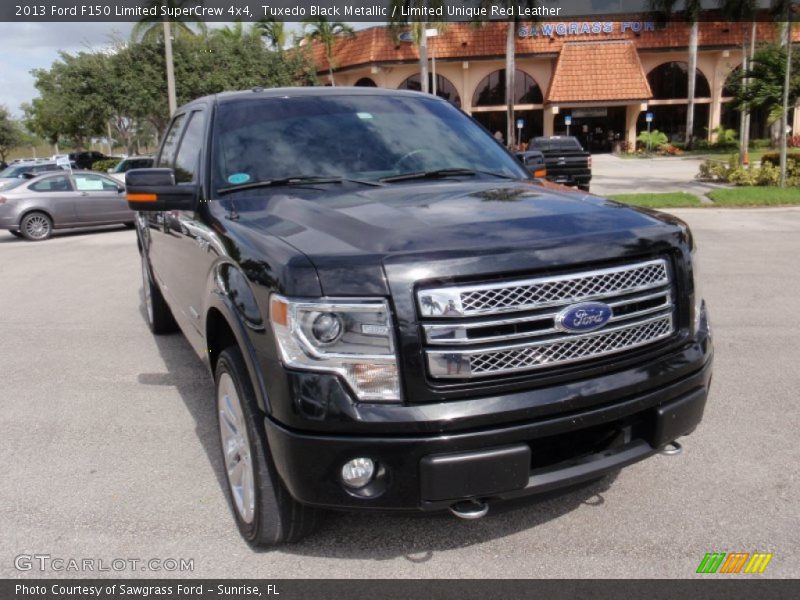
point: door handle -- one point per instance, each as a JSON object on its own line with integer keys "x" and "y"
{"x": 84, "y": 193}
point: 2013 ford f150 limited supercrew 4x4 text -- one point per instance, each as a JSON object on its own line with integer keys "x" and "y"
{"x": 398, "y": 317}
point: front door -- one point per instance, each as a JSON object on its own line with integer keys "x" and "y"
{"x": 100, "y": 200}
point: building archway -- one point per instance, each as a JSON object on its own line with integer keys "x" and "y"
{"x": 365, "y": 82}
{"x": 669, "y": 83}
{"x": 491, "y": 91}
{"x": 444, "y": 87}
{"x": 489, "y": 103}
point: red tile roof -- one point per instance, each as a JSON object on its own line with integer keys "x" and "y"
{"x": 592, "y": 72}
{"x": 464, "y": 41}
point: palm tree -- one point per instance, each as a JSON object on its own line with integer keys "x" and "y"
{"x": 418, "y": 30}
{"x": 273, "y": 31}
{"x": 743, "y": 10}
{"x": 150, "y": 29}
{"x": 692, "y": 11}
{"x": 326, "y": 32}
{"x": 786, "y": 8}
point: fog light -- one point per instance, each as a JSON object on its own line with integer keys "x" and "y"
{"x": 358, "y": 472}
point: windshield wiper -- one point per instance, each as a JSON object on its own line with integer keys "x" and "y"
{"x": 294, "y": 180}
{"x": 440, "y": 173}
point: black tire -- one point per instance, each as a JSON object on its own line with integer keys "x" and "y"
{"x": 157, "y": 312}
{"x": 15, "y": 233}
{"x": 36, "y": 226}
{"x": 584, "y": 188}
{"x": 276, "y": 517}
{"x": 130, "y": 225}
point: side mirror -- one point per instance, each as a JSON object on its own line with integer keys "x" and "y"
{"x": 120, "y": 189}
{"x": 156, "y": 190}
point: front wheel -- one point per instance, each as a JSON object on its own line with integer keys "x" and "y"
{"x": 36, "y": 226}
{"x": 265, "y": 512}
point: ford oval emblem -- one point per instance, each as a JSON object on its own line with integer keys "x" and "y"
{"x": 580, "y": 318}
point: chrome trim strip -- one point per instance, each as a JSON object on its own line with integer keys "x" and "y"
{"x": 447, "y": 302}
{"x": 441, "y": 363}
{"x": 460, "y": 329}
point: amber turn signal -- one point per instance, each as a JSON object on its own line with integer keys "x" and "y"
{"x": 142, "y": 198}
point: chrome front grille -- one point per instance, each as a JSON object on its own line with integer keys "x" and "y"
{"x": 541, "y": 292}
{"x": 639, "y": 295}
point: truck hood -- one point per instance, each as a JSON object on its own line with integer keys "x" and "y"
{"x": 352, "y": 234}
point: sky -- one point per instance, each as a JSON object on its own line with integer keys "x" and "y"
{"x": 28, "y": 46}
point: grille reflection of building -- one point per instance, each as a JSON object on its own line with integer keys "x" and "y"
{"x": 604, "y": 75}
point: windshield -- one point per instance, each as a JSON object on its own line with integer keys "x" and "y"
{"x": 363, "y": 137}
{"x": 14, "y": 171}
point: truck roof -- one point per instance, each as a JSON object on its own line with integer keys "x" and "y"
{"x": 289, "y": 92}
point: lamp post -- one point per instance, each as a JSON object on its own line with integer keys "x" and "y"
{"x": 429, "y": 33}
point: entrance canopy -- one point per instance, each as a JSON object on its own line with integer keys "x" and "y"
{"x": 598, "y": 72}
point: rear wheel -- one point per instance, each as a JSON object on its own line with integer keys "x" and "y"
{"x": 159, "y": 315}
{"x": 36, "y": 226}
{"x": 265, "y": 512}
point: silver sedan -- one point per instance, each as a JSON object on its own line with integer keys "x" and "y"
{"x": 32, "y": 208}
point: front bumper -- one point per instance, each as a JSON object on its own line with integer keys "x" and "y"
{"x": 432, "y": 472}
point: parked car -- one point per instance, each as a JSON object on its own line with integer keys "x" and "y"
{"x": 534, "y": 162}
{"x": 398, "y": 316}
{"x": 128, "y": 163}
{"x": 86, "y": 159}
{"x": 566, "y": 160}
{"x": 33, "y": 208}
{"x": 25, "y": 170}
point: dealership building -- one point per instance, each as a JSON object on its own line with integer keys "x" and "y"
{"x": 601, "y": 77}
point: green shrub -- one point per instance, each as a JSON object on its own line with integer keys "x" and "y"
{"x": 717, "y": 170}
{"x": 760, "y": 144}
{"x": 653, "y": 139}
{"x": 775, "y": 157}
{"x": 105, "y": 164}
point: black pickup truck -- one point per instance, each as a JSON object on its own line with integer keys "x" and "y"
{"x": 397, "y": 316}
{"x": 566, "y": 161}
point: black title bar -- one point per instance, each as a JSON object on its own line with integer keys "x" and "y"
{"x": 342, "y": 10}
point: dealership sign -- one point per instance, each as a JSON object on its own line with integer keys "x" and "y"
{"x": 584, "y": 28}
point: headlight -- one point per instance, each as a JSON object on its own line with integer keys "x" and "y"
{"x": 352, "y": 338}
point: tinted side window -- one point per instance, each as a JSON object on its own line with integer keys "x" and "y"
{"x": 52, "y": 184}
{"x": 188, "y": 157}
{"x": 167, "y": 157}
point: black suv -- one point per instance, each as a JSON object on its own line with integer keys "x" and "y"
{"x": 398, "y": 316}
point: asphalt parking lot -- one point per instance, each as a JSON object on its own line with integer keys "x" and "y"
{"x": 108, "y": 446}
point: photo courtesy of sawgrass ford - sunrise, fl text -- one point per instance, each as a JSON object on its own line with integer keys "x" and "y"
{"x": 358, "y": 299}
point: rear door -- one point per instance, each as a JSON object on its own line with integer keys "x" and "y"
{"x": 100, "y": 200}
{"x": 56, "y": 196}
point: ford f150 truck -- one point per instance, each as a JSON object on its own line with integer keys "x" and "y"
{"x": 398, "y": 316}
{"x": 566, "y": 161}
